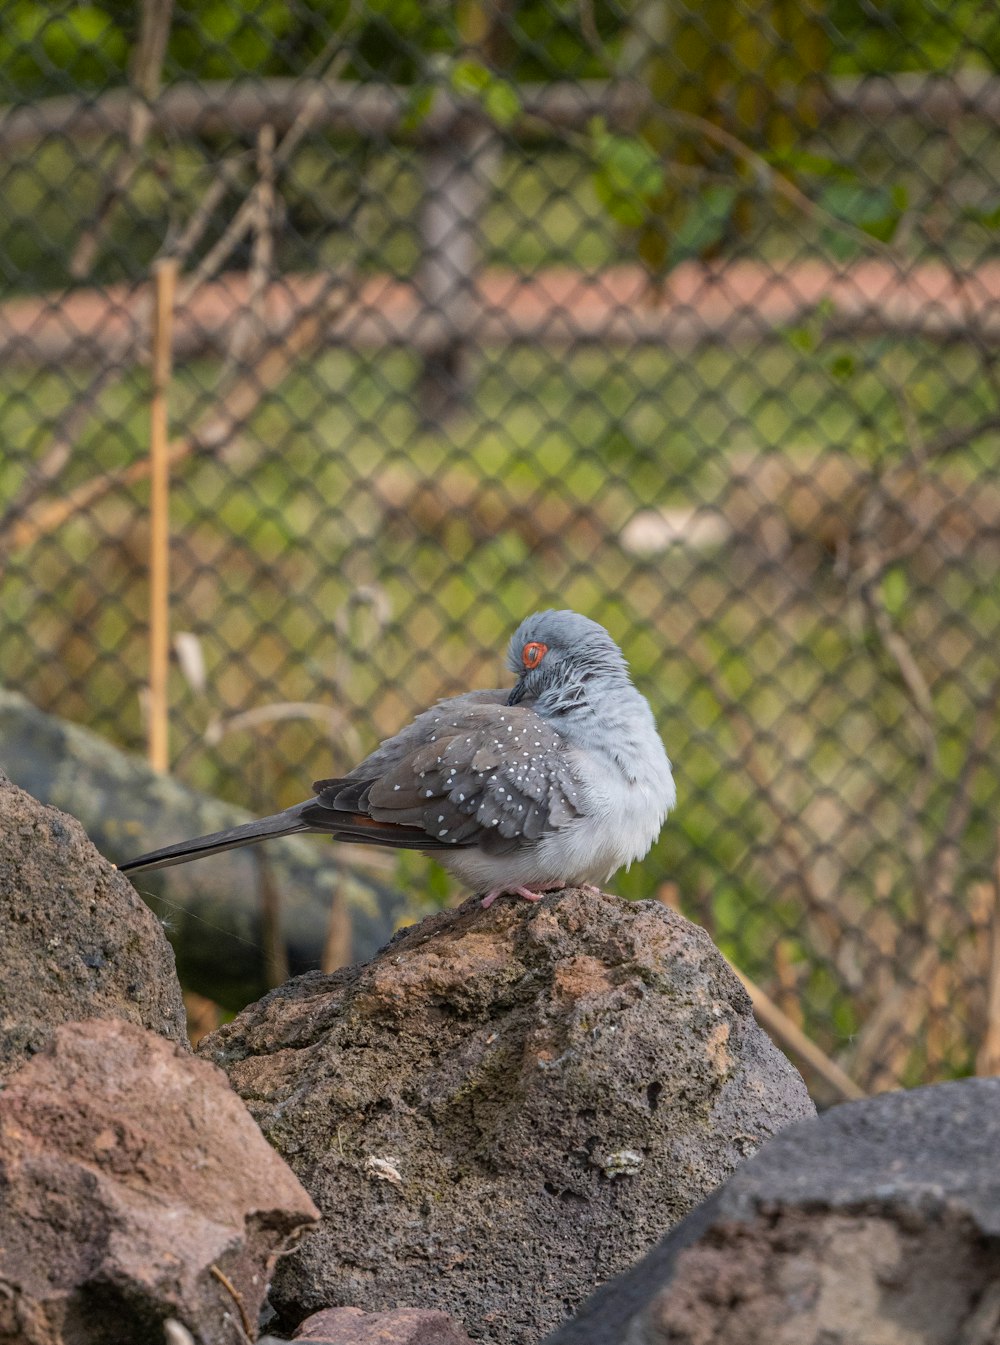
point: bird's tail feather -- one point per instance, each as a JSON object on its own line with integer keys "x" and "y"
{"x": 280, "y": 824}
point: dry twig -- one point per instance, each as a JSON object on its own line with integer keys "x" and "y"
{"x": 245, "y": 217}
{"x": 134, "y": 345}
{"x": 240, "y": 395}
{"x": 788, "y": 838}
{"x": 887, "y": 1037}
{"x": 16, "y": 522}
{"x": 234, "y": 1294}
{"x": 791, "y": 1036}
{"x": 250, "y": 332}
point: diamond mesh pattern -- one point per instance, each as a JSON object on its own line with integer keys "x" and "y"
{"x": 433, "y": 371}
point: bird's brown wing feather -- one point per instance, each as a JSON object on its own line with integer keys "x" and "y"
{"x": 485, "y": 775}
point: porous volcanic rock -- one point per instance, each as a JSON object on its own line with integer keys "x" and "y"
{"x": 133, "y": 1186}
{"x": 77, "y": 941}
{"x": 877, "y": 1223}
{"x": 506, "y": 1107}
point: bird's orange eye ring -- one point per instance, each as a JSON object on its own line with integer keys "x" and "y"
{"x": 533, "y": 653}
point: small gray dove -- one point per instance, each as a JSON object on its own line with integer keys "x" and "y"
{"x": 555, "y": 783}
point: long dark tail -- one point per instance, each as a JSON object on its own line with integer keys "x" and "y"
{"x": 280, "y": 824}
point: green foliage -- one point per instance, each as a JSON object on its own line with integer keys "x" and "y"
{"x": 895, "y": 590}
{"x": 45, "y": 47}
{"x": 893, "y": 35}
{"x": 498, "y": 97}
{"x": 627, "y": 174}
{"x": 729, "y": 67}
{"x": 875, "y": 211}
{"x": 988, "y": 214}
{"x": 705, "y": 222}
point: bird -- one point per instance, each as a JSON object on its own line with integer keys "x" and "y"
{"x": 558, "y": 781}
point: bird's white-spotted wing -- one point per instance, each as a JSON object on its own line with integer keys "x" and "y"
{"x": 470, "y": 772}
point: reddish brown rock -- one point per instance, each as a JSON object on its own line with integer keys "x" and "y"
{"x": 134, "y": 1187}
{"x": 405, "y": 1326}
{"x": 77, "y": 941}
{"x": 506, "y": 1107}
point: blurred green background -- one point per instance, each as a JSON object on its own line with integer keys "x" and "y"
{"x": 686, "y": 316}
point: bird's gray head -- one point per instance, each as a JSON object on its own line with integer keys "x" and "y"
{"x": 558, "y": 657}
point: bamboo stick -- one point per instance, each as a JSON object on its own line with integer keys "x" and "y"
{"x": 791, "y": 1036}
{"x": 988, "y": 1055}
{"x": 165, "y": 284}
{"x": 239, "y": 395}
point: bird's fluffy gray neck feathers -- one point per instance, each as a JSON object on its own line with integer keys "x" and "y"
{"x": 579, "y": 689}
{"x": 601, "y": 712}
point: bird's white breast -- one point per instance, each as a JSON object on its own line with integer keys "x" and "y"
{"x": 626, "y": 791}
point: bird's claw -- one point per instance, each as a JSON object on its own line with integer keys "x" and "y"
{"x": 524, "y": 892}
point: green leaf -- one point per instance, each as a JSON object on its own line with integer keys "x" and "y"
{"x": 419, "y": 102}
{"x": 895, "y": 590}
{"x": 704, "y": 223}
{"x": 439, "y": 886}
{"x": 987, "y": 215}
{"x": 801, "y": 338}
{"x": 498, "y": 97}
{"x": 71, "y": 34}
{"x": 470, "y": 78}
{"x": 627, "y": 175}
{"x": 874, "y": 210}
{"x": 843, "y": 367}
{"x": 502, "y": 103}
{"x": 801, "y": 161}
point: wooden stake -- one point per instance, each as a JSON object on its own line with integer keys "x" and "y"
{"x": 337, "y": 945}
{"x": 165, "y": 283}
{"x": 988, "y": 1056}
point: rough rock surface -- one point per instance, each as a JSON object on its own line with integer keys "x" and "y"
{"x": 405, "y": 1326}
{"x": 214, "y": 906}
{"x": 131, "y": 1178}
{"x": 877, "y": 1223}
{"x": 506, "y": 1107}
{"x": 77, "y": 941}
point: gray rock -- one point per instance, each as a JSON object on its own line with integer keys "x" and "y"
{"x": 505, "y": 1107}
{"x": 213, "y": 907}
{"x": 877, "y": 1223}
{"x": 77, "y": 942}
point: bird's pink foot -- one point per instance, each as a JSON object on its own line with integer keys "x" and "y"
{"x": 524, "y": 892}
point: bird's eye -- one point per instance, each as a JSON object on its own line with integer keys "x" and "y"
{"x": 533, "y": 653}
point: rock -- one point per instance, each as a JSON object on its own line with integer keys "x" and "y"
{"x": 134, "y": 1187}
{"x": 505, "y": 1107}
{"x": 77, "y": 941}
{"x": 213, "y": 906}
{"x": 877, "y": 1223}
{"x": 405, "y": 1326}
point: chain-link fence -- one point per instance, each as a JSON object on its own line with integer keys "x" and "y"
{"x": 683, "y": 315}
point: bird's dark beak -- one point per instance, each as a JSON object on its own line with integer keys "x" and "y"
{"x": 517, "y": 691}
